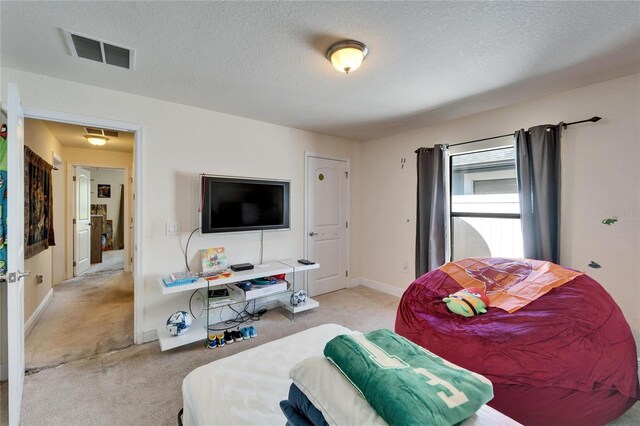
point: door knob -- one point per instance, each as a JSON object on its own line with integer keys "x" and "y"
{"x": 17, "y": 276}
{"x": 313, "y": 234}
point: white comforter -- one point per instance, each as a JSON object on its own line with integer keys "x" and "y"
{"x": 246, "y": 388}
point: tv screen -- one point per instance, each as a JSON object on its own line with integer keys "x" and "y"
{"x": 236, "y": 204}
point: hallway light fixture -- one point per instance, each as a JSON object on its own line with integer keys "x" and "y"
{"x": 96, "y": 140}
{"x": 347, "y": 55}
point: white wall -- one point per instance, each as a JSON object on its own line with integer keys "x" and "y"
{"x": 178, "y": 143}
{"x": 600, "y": 177}
{"x": 112, "y": 177}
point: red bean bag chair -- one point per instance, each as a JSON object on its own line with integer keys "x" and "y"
{"x": 567, "y": 358}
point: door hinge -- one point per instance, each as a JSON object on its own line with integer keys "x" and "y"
{"x": 346, "y": 175}
{"x": 74, "y": 221}
{"x": 131, "y": 259}
{"x": 346, "y": 274}
{"x": 347, "y": 224}
{"x": 134, "y": 196}
{"x": 74, "y": 178}
{"x": 74, "y": 263}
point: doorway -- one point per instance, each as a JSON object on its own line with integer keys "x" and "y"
{"x": 94, "y": 292}
{"x": 327, "y": 222}
{"x": 104, "y": 198}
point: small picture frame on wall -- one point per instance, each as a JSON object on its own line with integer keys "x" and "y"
{"x": 104, "y": 191}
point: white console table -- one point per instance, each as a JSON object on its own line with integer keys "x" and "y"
{"x": 199, "y": 327}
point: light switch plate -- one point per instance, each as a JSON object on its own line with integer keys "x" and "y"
{"x": 172, "y": 228}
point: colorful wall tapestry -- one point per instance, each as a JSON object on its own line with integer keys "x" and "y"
{"x": 38, "y": 204}
{"x": 3, "y": 206}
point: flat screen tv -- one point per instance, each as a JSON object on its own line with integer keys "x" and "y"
{"x": 238, "y": 204}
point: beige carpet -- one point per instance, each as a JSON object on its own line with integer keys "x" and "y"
{"x": 89, "y": 315}
{"x": 142, "y": 386}
{"x": 112, "y": 261}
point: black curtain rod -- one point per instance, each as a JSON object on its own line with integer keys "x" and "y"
{"x": 564, "y": 125}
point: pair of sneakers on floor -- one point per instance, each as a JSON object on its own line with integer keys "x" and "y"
{"x": 248, "y": 332}
{"x": 229, "y": 337}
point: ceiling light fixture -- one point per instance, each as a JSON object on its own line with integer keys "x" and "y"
{"x": 347, "y": 55}
{"x": 96, "y": 140}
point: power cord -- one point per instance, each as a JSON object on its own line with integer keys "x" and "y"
{"x": 186, "y": 249}
{"x": 242, "y": 317}
{"x": 191, "y": 299}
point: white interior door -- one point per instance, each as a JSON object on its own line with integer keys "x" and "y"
{"x": 15, "y": 252}
{"x": 82, "y": 237}
{"x": 327, "y": 215}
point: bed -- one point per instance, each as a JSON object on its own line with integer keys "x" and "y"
{"x": 246, "y": 388}
{"x": 567, "y": 358}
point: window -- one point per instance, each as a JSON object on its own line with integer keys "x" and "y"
{"x": 485, "y": 209}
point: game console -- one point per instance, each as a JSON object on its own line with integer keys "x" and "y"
{"x": 241, "y": 267}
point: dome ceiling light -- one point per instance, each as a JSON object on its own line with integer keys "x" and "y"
{"x": 97, "y": 140}
{"x": 347, "y": 56}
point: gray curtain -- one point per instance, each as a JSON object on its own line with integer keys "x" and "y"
{"x": 538, "y": 168}
{"x": 432, "y": 205}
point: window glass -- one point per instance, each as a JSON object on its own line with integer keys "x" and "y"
{"x": 485, "y": 237}
{"x": 485, "y": 207}
{"x": 484, "y": 182}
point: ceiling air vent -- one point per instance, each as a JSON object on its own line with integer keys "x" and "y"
{"x": 101, "y": 132}
{"x": 82, "y": 46}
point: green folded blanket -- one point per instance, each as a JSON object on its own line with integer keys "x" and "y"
{"x": 405, "y": 383}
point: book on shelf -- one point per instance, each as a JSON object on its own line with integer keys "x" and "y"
{"x": 177, "y": 276}
{"x": 213, "y": 260}
{"x": 170, "y": 282}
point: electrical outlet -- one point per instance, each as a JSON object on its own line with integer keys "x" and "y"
{"x": 39, "y": 279}
{"x": 172, "y": 228}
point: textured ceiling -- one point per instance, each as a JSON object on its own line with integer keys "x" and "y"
{"x": 72, "y": 136}
{"x": 428, "y": 61}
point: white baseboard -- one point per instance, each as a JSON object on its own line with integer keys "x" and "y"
{"x": 33, "y": 319}
{"x": 149, "y": 336}
{"x": 376, "y": 285}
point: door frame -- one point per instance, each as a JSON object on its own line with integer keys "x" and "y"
{"x": 70, "y": 207}
{"x": 307, "y": 203}
{"x": 137, "y": 249}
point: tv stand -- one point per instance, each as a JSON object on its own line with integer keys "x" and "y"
{"x": 199, "y": 326}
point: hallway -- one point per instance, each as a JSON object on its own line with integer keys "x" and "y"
{"x": 90, "y": 314}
